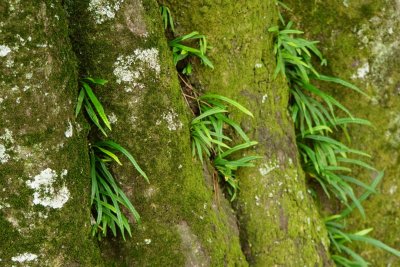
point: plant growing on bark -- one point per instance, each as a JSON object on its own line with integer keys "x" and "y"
{"x": 181, "y": 51}
{"x": 167, "y": 18}
{"x": 106, "y": 195}
{"x": 227, "y": 167}
{"x": 92, "y": 104}
{"x": 208, "y": 128}
{"x": 324, "y": 158}
{"x": 340, "y": 239}
{"x": 208, "y": 137}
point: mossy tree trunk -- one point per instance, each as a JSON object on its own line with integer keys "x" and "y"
{"x": 279, "y": 224}
{"x": 181, "y": 224}
{"x": 44, "y": 187}
{"x": 43, "y": 147}
{"x": 360, "y": 42}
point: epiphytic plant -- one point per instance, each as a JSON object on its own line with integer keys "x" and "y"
{"x": 209, "y": 138}
{"x": 324, "y": 158}
{"x": 107, "y": 196}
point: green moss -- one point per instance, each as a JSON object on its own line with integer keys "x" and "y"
{"x": 368, "y": 10}
{"x": 348, "y": 46}
{"x": 152, "y": 122}
{"x": 273, "y": 220}
{"x": 38, "y": 81}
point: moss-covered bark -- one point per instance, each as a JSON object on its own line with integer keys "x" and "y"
{"x": 360, "y": 42}
{"x": 44, "y": 189}
{"x": 279, "y": 225}
{"x": 181, "y": 224}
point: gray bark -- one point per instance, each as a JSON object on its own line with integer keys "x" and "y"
{"x": 44, "y": 187}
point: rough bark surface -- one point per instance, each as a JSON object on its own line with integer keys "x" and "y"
{"x": 360, "y": 41}
{"x": 279, "y": 224}
{"x": 181, "y": 225}
{"x": 44, "y": 207}
{"x": 44, "y": 181}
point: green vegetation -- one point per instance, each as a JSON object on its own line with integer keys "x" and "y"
{"x": 226, "y": 168}
{"x": 313, "y": 112}
{"x": 167, "y": 18}
{"x": 340, "y": 239}
{"x": 208, "y": 137}
{"x": 180, "y": 51}
{"x": 209, "y": 127}
{"x": 106, "y": 195}
{"x": 324, "y": 158}
{"x": 92, "y": 104}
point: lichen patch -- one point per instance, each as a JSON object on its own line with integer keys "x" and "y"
{"x": 24, "y": 257}
{"x": 45, "y": 194}
{"x": 264, "y": 98}
{"x": 392, "y": 133}
{"x": 112, "y": 118}
{"x": 172, "y": 120}
{"x": 104, "y": 9}
{"x": 7, "y": 136}
{"x": 70, "y": 130}
{"x": 129, "y": 69}
{"x": 148, "y": 56}
{"x": 362, "y": 71}
{"x": 194, "y": 253}
{"x": 4, "y": 157}
{"x": 268, "y": 167}
{"x": 123, "y": 69}
{"x": 377, "y": 36}
{"x": 4, "y": 50}
{"x": 393, "y": 189}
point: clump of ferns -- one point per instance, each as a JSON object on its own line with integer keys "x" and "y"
{"x": 208, "y": 129}
{"x": 209, "y": 139}
{"x": 341, "y": 240}
{"x": 324, "y": 158}
{"x": 107, "y": 198}
{"x": 181, "y": 49}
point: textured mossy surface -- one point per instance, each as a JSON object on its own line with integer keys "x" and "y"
{"x": 41, "y": 142}
{"x": 279, "y": 224}
{"x": 181, "y": 223}
{"x": 360, "y": 41}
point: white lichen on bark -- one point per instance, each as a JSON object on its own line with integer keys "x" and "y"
{"x": 148, "y": 56}
{"x": 104, "y": 9}
{"x": 268, "y": 167}
{"x": 172, "y": 120}
{"x": 362, "y": 71}
{"x": 70, "y": 130}
{"x": 4, "y": 50}
{"x": 24, "y": 257}
{"x": 45, "y": 194}
{"x": 130, "y": 69}
{"x": 4, "y": 157}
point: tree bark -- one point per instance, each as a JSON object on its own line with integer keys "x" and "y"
{"x": 44, "y": 176}
{"x": 44, "y": 199}
{"x": 181, "y": 224}
{"x": 278, "y": 221}
{"x": 358, "y": 38}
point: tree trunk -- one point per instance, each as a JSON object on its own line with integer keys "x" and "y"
{"x": 44, "y": 174}
{"x": 279, "y": 224}
{"x": 181, "y": 224}
{"x": 44, "y": 200}
{"x": 360, "y": 42}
